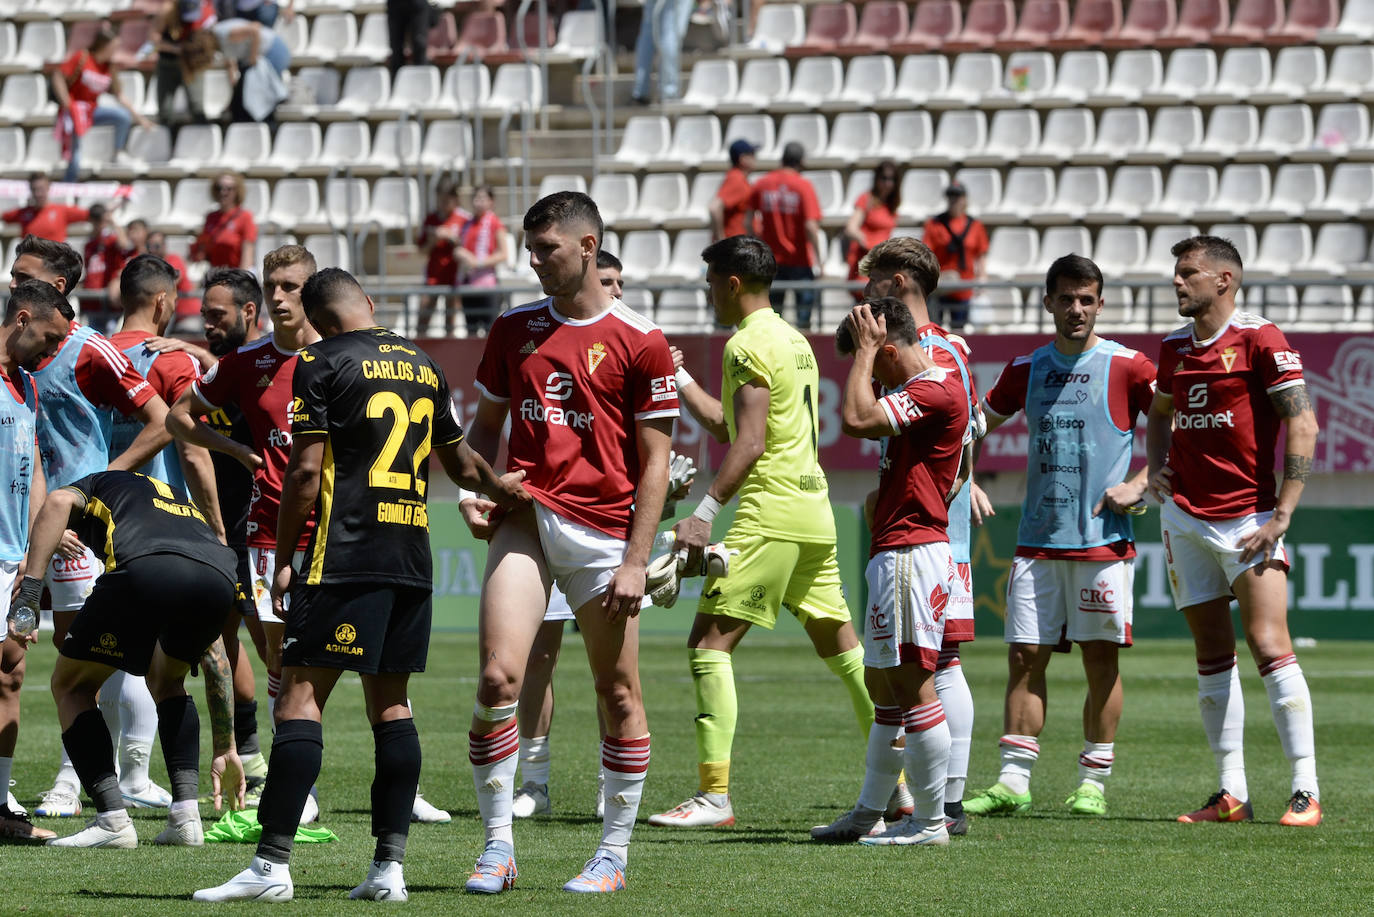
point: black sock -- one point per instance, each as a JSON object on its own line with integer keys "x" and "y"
{"x": 88, "y": 745}
{"x": 178, "y": 726}
{"x": 954, "y": 809}
{"x": 246, "y": 727}
{"x": 394, "y": 785}
{"x": 296, "y": 753}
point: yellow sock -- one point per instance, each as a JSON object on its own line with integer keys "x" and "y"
{"x": 849, "y": 668}
{"x": 713, "y": 777}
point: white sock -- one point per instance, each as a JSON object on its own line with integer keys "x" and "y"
{"x": 1223, "y": 717}
{"x": 1095, "y": 763}
{"x": 534, "y": 760}
{"x": 108, "y": 704}
{"x": 494, "y": 757}
{"x": 185, "y": 805}
{"x": 957, "y": 701}
{"x": 883, "y": 763}
{"x": 138, "y": 729}
{"x": 624, "y": 764}
{"x": 1291, "y": 705}
{"x": 6, "y": 765}
{"x": 1018, "y": 757}
{"x": 66, "y": 773}
{"x": 927, "y": 761}
{"x": 113, "y": 820}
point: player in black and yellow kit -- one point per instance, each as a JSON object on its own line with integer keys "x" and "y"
{"x": 369, "y": 407}
{"x": 158, "y": 607}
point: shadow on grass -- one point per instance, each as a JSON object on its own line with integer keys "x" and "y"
{"x": 732, "y": 836}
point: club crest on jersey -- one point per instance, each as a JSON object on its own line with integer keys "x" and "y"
{"x": 595, "y": 354}
{"x": 1228, "y": 358}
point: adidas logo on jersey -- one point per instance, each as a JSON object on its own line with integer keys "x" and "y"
{"x": 529, "y": 348}
{"x": 265, "y": 381}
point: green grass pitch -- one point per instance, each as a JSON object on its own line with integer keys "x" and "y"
{"x": 798, "y": 762}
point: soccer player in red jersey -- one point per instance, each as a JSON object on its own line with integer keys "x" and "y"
{"x": 910, "y": 570}
{"x": 589, "y": 389}
{"x": 257, "y": 379}
{"x": 1228, "y": 380}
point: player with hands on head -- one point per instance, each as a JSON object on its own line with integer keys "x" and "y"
{"x": 157, "y": 610}
{"x": 1228, "y": 380}
{"x": 1072, "y": 577}
{"x": 910, "y": 571}
{"x": 783, "y": 529}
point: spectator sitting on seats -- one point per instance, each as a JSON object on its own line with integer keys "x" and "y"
{"x": 263, "y": 11}
{"x": 77, "y": 85}
{"x": 790, "y": 223}
{"x": 439, "y": 237}
{"x": 731, "y": 202}
{"x": 960, "y": 244}
{"x": 180, "y": 54}
{"x": 874, "y": 217}
{"x": 230, "y": 234}
{"x": 41, "y": 217}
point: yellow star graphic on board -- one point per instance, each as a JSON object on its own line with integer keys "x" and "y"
{"x": 985, "y": 559}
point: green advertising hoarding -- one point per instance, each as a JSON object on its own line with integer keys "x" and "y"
{"x": 1331, "y": 585}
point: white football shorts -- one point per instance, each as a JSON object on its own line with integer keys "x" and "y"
{"x": 1050, "y": 600}
{"x": 9, "y": 571}
{"x": 264, "y": 564}
{"x": 1203, "y": 555}
{"x": 559, "y": 609}
{"x": 908, "y": 599}
{"x": 581, "y": 559}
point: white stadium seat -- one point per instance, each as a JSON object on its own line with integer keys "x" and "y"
{"x": 762, "y": 83}
{"x": 696, "y": 140}
{"x": 1134, "y": 189}
{"x": 816, "y": 81}
{"x": 1298, "y": 71}
{"x": 616, "y": 195}
{"x": 1012, "y": 250}
{"x": 920, "y": 77}
{"x": 1013, "y": 132}
{"x": 1029, "y": 191}
{"x": 1350, "y": 193}
{"x": 646, "y": 138}
{"x": 1240, "y": 72}
{"x": 1135, "y": 73}
{"x": 1188, "y": 73}
{"x": 905, "y": 133}
{"x": 922, "y": 190}
{"x": 974, "y": 77}
{"x": 1242, "y": 187}
{"x": 868, "y": 79}
{"x": 711, "y": 82}
{"x": 1297, "y": 187}
{"x": 1082, "y": 74}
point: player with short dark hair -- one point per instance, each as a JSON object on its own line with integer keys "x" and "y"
{"x": 609, "y": 269}
{"x": 369, "y": 407}
{"x": 1228, "y": 380}
{"x": 35, "y": 324}
{"x": 1072, "y": 578}
{"x": 783, "y": 531}
{"x": 910, "y": 573}
{"x": 588, "y": 387}
{"x": 156, "y": 611}
{"x": 43, "y": 259}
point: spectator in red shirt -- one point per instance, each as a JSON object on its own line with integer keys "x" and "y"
{"x": 77, "y": 86}
{"x": 790, "y": 223}
{"x": 874, "y": 217}
{"x": 104, "y": 255}
{"x": 188, "y": 305}
{"x": 960, "y": 244}
{"x": 41, "y": 218}
{"x": 481, "y": 246}
{"x": 439, "y": 236}
{"x": 230, "y": 235}
{"x": 731, "y": 202}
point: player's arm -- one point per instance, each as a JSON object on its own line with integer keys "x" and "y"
{"x": 300, "y": 488}
{"x": 861, "y": 415}
{"x": 701, "y": 404}
{"x": 965, "y": 472}
{"x": 59, "y": 510}
{"x": 199, "y": 472}
{"x": 219, "y": 700}
{"x": 1294, "y": 407}
{"x": 470, "y": 471}
{"x": 172, "y": 345}
{"x": 1159, "y": 433}
{"x": 149, "y": 441}
{"x": 653, "y": 440}
{"x": 483, "y": 437}
{"x": 183, "y": 422}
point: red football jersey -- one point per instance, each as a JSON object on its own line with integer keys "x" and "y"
{"x": 257, "y": 378}
{"x": 171, "y": 373}
{"x": 1225, "y": 428}
{"x": 930, "y": 416}
{"x": 577, "y": 389}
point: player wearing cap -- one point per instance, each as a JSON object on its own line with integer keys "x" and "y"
{"x": 1227, "y": 381}
{"x": 1071, "y": 579}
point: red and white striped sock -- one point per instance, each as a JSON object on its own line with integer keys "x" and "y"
{"x": 624, "y": 764}
{"x": 1223, "y": 719}
{"x": 1018, "y": 757}
{"x": 1095, "y": 762}
{"x": 883, "y": 763}
{"x": 1291, "y": 705}
{"x": 927, "y": 761}
{"x": 494, "y": 757}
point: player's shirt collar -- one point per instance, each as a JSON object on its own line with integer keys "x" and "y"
{"x": 578, "y": 322}
{"x": 1216, "y": 337}
{"x": 756, "y": 317}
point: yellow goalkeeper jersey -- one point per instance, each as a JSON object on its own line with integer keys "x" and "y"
{"x": 785, "y": 495}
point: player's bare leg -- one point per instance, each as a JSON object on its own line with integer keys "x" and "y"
{"x": 14, "y": 820}
{"x": 1023, "y": 718}
{"x": 1101, "y": 715}
{"x": 75, "y": 685}
{"x": 64, "y": 797}
{"x": 1263, "y": 594}
{"x": 613, "y": 654}
{"x": 1223, "y": 709}
{"x": 536, "y": 700}
{"x": 926, "y": 757}
{"x": 515, "y": 592}
{"x": 245, "y": 703}
{"x": 179, "y": 731}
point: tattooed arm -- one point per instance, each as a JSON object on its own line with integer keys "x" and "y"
{"x": 225, "y": 769}
{"x": 1294, "y": 408}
